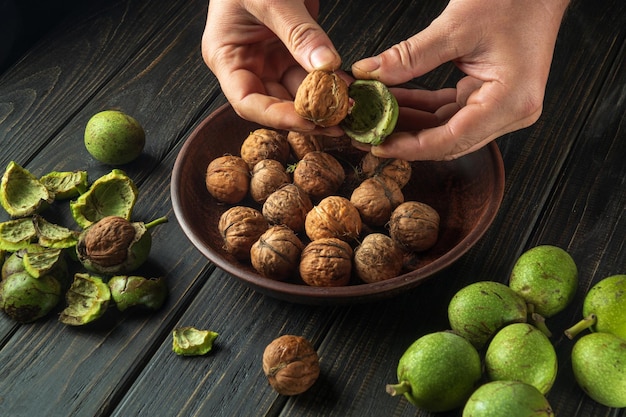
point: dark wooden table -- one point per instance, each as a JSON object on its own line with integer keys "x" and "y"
{"x": 565, "y": 186}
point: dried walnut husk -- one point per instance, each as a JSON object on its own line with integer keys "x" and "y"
{"x": 377, "y": 258}
{"x": 397, "y": 169}
{"x": 414, "y": 226}
{"x": 291, "y": 364}
{"x": 264, "y": 144}
{"x": 334, "y": 216}
{"x": 240, "y": 227}
{"x": 267, "y": 176}
{"x": 326, "y": 262}
{"x": 228, "y": 179}
{"x": 322, "y": 98}
{"x": 276, "y": 254}
{"x": 319, "y": 174}
{"x": 303, "y": 143}
{"x": 288, "y": 205}
{"x": 375, "y": 198}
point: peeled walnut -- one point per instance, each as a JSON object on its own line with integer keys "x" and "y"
{"x": 276, "y": 254}
{"x": 267, "y": 176}
{"x": 334, "y": 216}
{"x": 322, "y": 98}
{"x": 319, "y": 174}
{"x": 377, "y": 258}
{"x": 326, "y": 262}
{"x": 397, "y": 169}
{"x": 414, "y": 226}
{"x": 228, "y": 179}
{"x": 264, "y": 144}
{"x": 240, "y": 227}
{"x": 287, "y": 205}
{"x": 291, "y": 364}
{"x": 303, "y": 143}
{"x": 375, "y": 198}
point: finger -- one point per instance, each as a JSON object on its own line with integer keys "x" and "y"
{"x": 465, "y": 87}
{"x": 428, "y": 100}
{"x": 306, "y": 40}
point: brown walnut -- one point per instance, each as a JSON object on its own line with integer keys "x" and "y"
{"x": 397, "y": 169}
{"x": 288, "y": 205}
{"x": 377, "y": 258}
{"x": 264, "y": 144}
{"x": 267, "y": 176}
{"x": 334, "y": 216}
{"x": 303, "y": 143}
{"x": 291, "y": 364}
{"x": 319, "y": 174}
{"x": 107, "y": 241}
{"x": 240, "y": 227}
{"x": 326, "y": 262}
{"x": 276, "y": 254}
{"x": 322, "y": 98}
{"x": 414, "y": 226}
{"x": 375, "y": 198}
{"x": 228, "y": 179}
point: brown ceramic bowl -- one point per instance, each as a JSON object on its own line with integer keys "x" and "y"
{"x": 466, "y": 192}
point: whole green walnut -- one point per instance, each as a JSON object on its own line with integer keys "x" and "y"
{"x": 114, "y": 137}
{"x": 25, "y": 298}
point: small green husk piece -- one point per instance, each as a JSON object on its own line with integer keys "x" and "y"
{"x": 189, "y": 341}
{"x": 65, "y": 184}
{"x": 39, "y": 261}
{"x": 135, "y": 291}
{"x": 113, "y": 194}
{"x": 17, "y": 234}
{"x": 51, "y": 235}
{"x": 21, "y": 193}
{"x": 87, "y": 299}
{"x": 374, "y": 114}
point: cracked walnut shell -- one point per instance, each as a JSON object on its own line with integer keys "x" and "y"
{"x": 322, "y": 98}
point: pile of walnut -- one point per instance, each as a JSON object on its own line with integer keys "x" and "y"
{"x": 297, "y": 225}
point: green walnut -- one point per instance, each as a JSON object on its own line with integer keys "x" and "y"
{"x": 25, "y": 298}
{"x": 114, "y": 137}
{"x": 374, "y": 113}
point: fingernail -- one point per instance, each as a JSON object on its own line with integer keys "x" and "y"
{"x": 367, "y": 65}
{"x": 322, "y": 58}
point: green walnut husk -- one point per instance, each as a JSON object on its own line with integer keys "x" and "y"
{"x": 21, "y": 193}
{"x": 65, "y": 184}
{"x": 135, "y": 291}
{"x": 113, "y": 194}
{"x": 17, "y": 234}
{"x": 25, "y": 298}
{"x": 87, "y": 300}
{"x": 374, "y": 113}
{"x": 189, "y": 341}
{"x": 52, "y": 235}
{"x": 114, "y": 245}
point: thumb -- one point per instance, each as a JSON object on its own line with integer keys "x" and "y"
{"x": 304, "y": 38}
{"x": 408, "y": 59}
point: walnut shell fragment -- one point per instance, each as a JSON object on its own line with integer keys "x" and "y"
{"x": 291, "y": 364}
{"x": 377, "y": 258}
{"x": 264, "y": 144}
{"x": 319, "y": 174}
{"x": 276, "y": 255}
{"x": 334, "y": 216}
{"x": 240, "y": 227}
{"x": 322, "y": 98}
{"x": 326, "y": 262}
{"x": 267, "y": 176}
{"x": 228, "y": 179}
{"x": 376, "y": 198}
{"x": 414, "y": 226}
{"x": 288, "y": 205}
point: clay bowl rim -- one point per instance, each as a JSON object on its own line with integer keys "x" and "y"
{"x": 304, "y": 294}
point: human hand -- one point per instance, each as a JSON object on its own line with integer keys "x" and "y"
{"x": 260, "y": 51}
{"x": 505, "y": 49}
